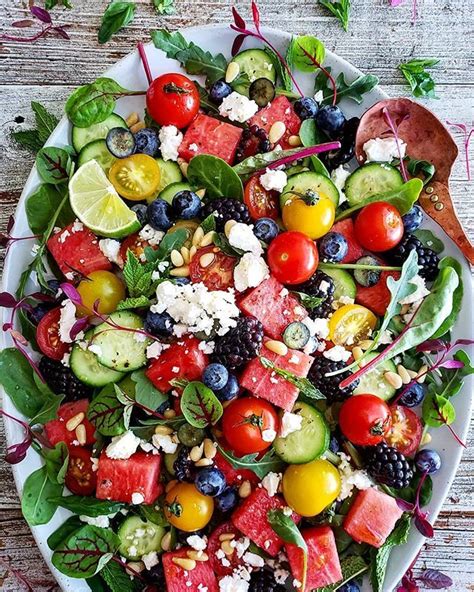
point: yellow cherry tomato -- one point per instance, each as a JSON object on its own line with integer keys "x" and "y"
{"x": 135, "y": 177}
{"x": 350, "y": 324}
{"x": 103, "y": 286}
{"x": 310, "y": 488}
{"x": 188, "y": 509}
{"x": 313, "y": 214}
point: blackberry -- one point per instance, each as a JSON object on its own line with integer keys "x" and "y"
{"x": 225, "y": 209}
{"x": 319, "y": 285}
{"x": 184, "y": 467}
{"x": 428, "y": 260}
{"x": 263, "y": 580}
{"x": 388, "y": 465}
{"x": 329, "y": 385}
{"x": 62, "y": 381}
{"x": 240, "y": 345}
{"x": 155, "y": 574}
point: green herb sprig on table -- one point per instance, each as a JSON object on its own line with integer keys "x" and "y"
{"x": 340, "y": 9}
{"x": 116, "y": 16}
{"x": 34, "y": 139}
{"x": 164, "y": 6}
{"x": 421, "y": 82}
{"x": 350, "y": 90}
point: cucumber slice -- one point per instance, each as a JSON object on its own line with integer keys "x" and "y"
{"x": 374, "y": 382}
{"x": 171, "y": 190}
{"x": 256, "y": 63}
{"x": 344, "y": 285}
{"x": 87, "y": 368}
{"x": 313, "y": 181}
{"x": 307, "y": 443}
{"x": 371, "y": 179}
{"x": 120, "y": 349}
{"x": 169, "y": 173}
{"x": 139, "y": 537}
{"x": 97, "y": 150}
{"x": 84, "y": 135}
{"x": 296, "y": 335}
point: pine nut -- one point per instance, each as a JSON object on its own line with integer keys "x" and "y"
{"x": 206, "y": 259}
{"x": 184, "y": 168}
{"x": 226, "y": 536}
{"x": 233, "y": 70}
{"x": 169, "y": 413}
{"x": 227, "y": 548}
{"x": 277, "y": 347}
{"x": 294, "y": 141}
{"x": 426, "y": 438}
{"x": 245, "y": 489}
{"x": 185, "y": 254}
{"x": 198, "y": 555}
{"x": 276, "y": 132}
{"x": 210, "y": 449}
{"x": 196, "y": 453}
{"x": 208, "y": 239}
{"x": 365, "y": 344}
{"x": 228, "y": 225}
{"x": 170, "y": 485}
{"x": 132, "y": 119}
{"x": 405, "y": 308}
{"x": 166, "y": 541}
{"x": 412, "y": 374}
{"x": 422, "y": 372}
{"x": 204, "y": 462}
{"x": 200, "y": 193}
{"x": 180, "y": 271}
{"x": 403, "y": 373}
{"x": 81, "y": 434}
{"x": 357, "y": 352}
{"x": 136, "y": 566}
{"x": 137, "y": 127}
{"x": 187, "y": 564}
{"x": 198, "y": 236}
{"x": 176, "y": 258}
{"x": 393, "y": 379}
{"x": 72, "y": 424}
{"x": 192, "y": 252}
{"x": 163, "y": 430}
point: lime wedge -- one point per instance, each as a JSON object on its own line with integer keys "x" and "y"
{"x": 97, "y": 204}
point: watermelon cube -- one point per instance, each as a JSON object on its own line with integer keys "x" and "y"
{"x": 118, "y": 479}
{"x": 251, "y": 519}
{"x": 56, "y": 430}
{"x": 354, "y": 250}
{"x": 372, "y": 517}
{"x": 324, "y": 567}
{"x": 200, "y": 578}
{"x": 274, "y": 306}
{"x": 280, "y": 109}
{"x": 207, "y": 135}
{"x": 265, "y": 383}
{"x": 377, "y": 297}
{"x": 76, "y": 248}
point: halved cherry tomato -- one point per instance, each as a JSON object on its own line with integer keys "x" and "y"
{"x": 260, "y": 202}
{"x": 80, "y": 478}
{"x": 365, "y": 419}
{"x": 135, "y": 177}
{"x": 218, "y": 274}
{"x": 350, "y": 324}
{"x": 379, "y": 226}
{"x": 47, "y": 335}
{"x": 406, "y": 431}
{"x": 245, "y": 422}
{"x": 292, "y": 257}
{"x": 173, "y": 99}
{"x": 136, "y": 245}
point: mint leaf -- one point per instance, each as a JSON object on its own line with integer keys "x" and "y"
{"x": 45, "y": 121}
{"x": 379, "y": 557}
{"x": 130, "y": 303}
{"x": 340, "y": 9}
{"x": 117, "y": 579}
{"x": 420, "y": 81}
{"x": 28, "y": 139}
{"x": 116, "y": 16}
{"x": 137, "y": 276}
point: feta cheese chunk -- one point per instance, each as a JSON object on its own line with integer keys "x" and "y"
{"x": 197, "y": 542}
{"x": 290, "y": 422}
{"x": 241, "y": 237}
{"x": 337, "y": 354}
{"x": 250, "y": 272}
{"x": 100, "y": 521}
{"x": 111, "y": 249}
{"x": 339, "y": 177}
{"x": 268, "y": 435}
{"x": 151, "y": 235}
{"x": 233, "y": 583}
{"x": 319, "y": 96}
{"x": 67, "y": 320}
{"x": 271, "y": 482}
{"x": 237, "y": 107}
{"x": 170, "y": 138}
{"x": 274, "y": 180}
{"x": 164, "y": 442}
{"x": 123, "y": 446}
{"x": 383, "y": 149}
{"x": 419, "y": 293}
{"x": 351, "y": 477}
{"x": 137, "y": 498}
{"x": 150, "y": 559}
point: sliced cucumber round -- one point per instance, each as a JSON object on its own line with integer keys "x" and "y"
{"x": 171, "y": 190}
{"x": 169, "y": 173}
{"x": 303, "y": 182}
{"x": 87, "y": 368}
{"x": 139, "y": 537}
{"x": 256, "y": 63}
{"x": 296, "y": 335}
{"x": 374, "y": 383}
{"x": 120, "y": 349}
{"x": 344, "y": 285}
{"x": 97, "y": 150}
{"x": 307, "y": 443}
{"x": 84, "y": 135}
{"x": 371, "y": 179}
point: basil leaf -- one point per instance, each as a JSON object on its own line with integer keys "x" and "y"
{"x": 54, "y": 165}
{"x": 41, "y": 206}
{"x": 106, "y": 412}
{"x": 88, "y": 506}
{"x": 313, "y": 46}
{"x": 437, "y": 410}
{"x": 215, "y": 175}
{"x": 116, "y": 16}
{"x": 56, "y": 462}
{"x": 200, "y": 406}
{"x": 35, "y": 502}
{"x": 72, "y": 524}
{"x": 268, "y": 463}
{"x": 145, "y": 393}
{"x": 428, "y": 239}
{"x": 287, "y": 530}
{"x": 448, "y": 323}
{"x": 340, "y": 9}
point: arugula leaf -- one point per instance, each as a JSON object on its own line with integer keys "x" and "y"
{"x": 35, "y": 502}
{"x": 340, "y": 9}
{"x": 447, "y": 325}
{"x": 129, "y": 303}
{"x": 352, "y": 566}
{"x": 287, "y": 530}
{"x": 428, "y": 239}
{"x": 145, "y": 393}
{"x": 313, "y": 46}
{"x": 164, "y": 6}
{"x": 200, "y": 406}
{"x": 379, "y": 557}
{"x": 420, "y": 81}
{"x": 116, "y": 16}
{"x": 305, "y": 387}
{"x": 88, "y": 506}
{"x": 215, "y": 175}
{"x": 54, "y": 165}
{"x": 353, "y": 90}
{"x": 56, "y": 461}
{"x": 106, "y": 412}
{"x": 170, "y": 43}
{"x": 268, "y": 463}
{"x": 34, "y": 139}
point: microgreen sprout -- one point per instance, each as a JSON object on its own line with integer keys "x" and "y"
{"x": 466, "y": 142}
{"x": 326, "y": 72}
{"x": 393, "y": 127}
{"x": 420, "y": 517}
{"x": 47, "y": 27}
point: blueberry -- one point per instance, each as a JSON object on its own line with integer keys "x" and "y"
{"x": 147, "y": 142}
{"x": 333, "y": 247}
{"x": 330, "y": 120}
{"x": 141, "y": 210}
{"x": 164, "y": 406}
{"x": 120, "y": 142}
{"x": 412, "y": 219}
{"x": 215, "y": 376}
{"x": 210, "y": 481}
{"x": 219, "y": 91}
{"x": 414, "y": 395}
{"x": 230, "y": 390}
{"x": 159, "y": 324}
{"x": 349, "y": 587}
{"x": 186, "y": 205}
{"x": 37, "y": 313}
{"x": 181, "y": 281}
{"x": 54, "y": 286}
{"x": 427, "y": 461}
{"x": 306, "y": 108}
{"x": 346, "y": 136}
{"x": 334, "y": 445}
{"x": 266, "y": 229}
{"x": 227, "y": 500}
{"x": 160, "y": 214}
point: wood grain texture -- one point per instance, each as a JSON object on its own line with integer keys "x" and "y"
{"x": 379, "y": 39}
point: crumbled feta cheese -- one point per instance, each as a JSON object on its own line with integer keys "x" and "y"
{"x": 241, "y": 237}
{"x": 150, "y": 559}
{"x": 34, "y": 250}
{"x": 137, "y": 499}
{"x": 95, "y": 463}
{"x": 151, "y": 235}
{"x": 110, "y": 248}
{"x": 343, "y": 300}
{"x": 317, "y": 327}
{"x": 297, "y": 583}
{"x": 67, "y": 320}
{"x": 338, "y": 177}
{"x": 294, "y": 359}
{"x": 139, "y": 337}
{"x": 351, "y": 477}
{"x": 233, "y": 583}
{"x": 274, "y": 180}
{"x": 193, "y": 147}
{"x": 250, "y": 272}
{"x": 164, "y": 442}
{"x": 123, "y": 446}
{"x": 319, "y": 96}
{"x": 419, "y": 293}
{"x": 386, "y": 337}
{"x": 77, "y": 226}
{"x": 287, "y": 511}
{"x": 207, "y": 346}
{"x": 337, "y": 354}
{"x": 407, "y": 317}
{"x": 253, "y": 559}
{"x": 383, "y": 149}
{"x": 170, "y": 139}
{"x": 241, "y": 545}
{"x": 100, "y": 521}
{"x": 65, "y": 360}
{"x": 154, "y": 350}
{"x": 237, "y": 107}
{"x": 197, "y": 542}
{"x": 290, "y": 422}
{"x": 268, "y": 435}
{"x": 95, "y": 349}
{"x": 271, "y": 482}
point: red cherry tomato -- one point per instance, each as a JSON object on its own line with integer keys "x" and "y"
{"x": 406, "y": 431}
{"x": 47, "y": 335}
{"x": 379, "y": 226}
{"x": 80, "y": 478}
{"x": 292, "y": 257}
{"x": 244, "y": 422}
{"x": 365, "y": 419}
{"x": 135, "y": 244}
{"x": 260, "y": 202}
{"x": 172, "y": 99}
{"x": 218, "y": 274}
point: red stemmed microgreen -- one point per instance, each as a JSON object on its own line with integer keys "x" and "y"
{"x": 17, "y": 452}
{"x": 304, "y": 153}
{"x": 241, "y": 28}
{"x": 326, "y": 72}
{"x": 144, "y": 59}
{"x": 6, "y": 239}
{"x": 395, "y": 3}
{"x": 28, "y": 585}
{"x": 429, "y": 578}
{"x": 466, "y": 142}
{"x": 393, "y": 127}
{"x": 47, "y": 27}
{"x": 419, "y": 517}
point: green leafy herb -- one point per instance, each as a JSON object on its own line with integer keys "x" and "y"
{"x": 313, "y": 46}
{"x": 56, "y": 461}
{"x": 209, "y": 223}
{"x": 154, "y": 513}
{"x": 72, "y": 524}
{"x": 54, "y": 165}
{"x": 437, "y": 410}
{"x": 200, "y": 406}
{"x": 379, "y": 557}
{"x": 50, "y": 4}
{"x": 268, "y": 463}
{"x": 205, "y": 101}
{"x": 88, "y": 506}
{"x": 420, "y": 81}
{"x": 221, "y": 241}
{"x": 130, "y": 303}
{"x": 252, "y": 164}
{"x": 171, "y": 241}
{"x": 409, "y": 493}
{"x": 428, "y": 239}
{"x": 164, "y": 6}
{"x": 352, "y": 90}
{"x": 305, "y": 387}
{"x": 138, "y": 277}
{"x": 448, "y": 323}
{"x": 416, "y": 167}
{"x": 352, "y": 566}
{"x": 106, "y": 412}
{"x": 311, "y": 136}
{"x": 281, "y": 72}
{"x": 340, "y": 9}
{"x": 116, "y": 16}
{"x": 216, "y": 176}
{"x": 308, "y": 301}
{"x": 41, "y": 206}
{"x": 145, "y": 393}
{"x": 34, "y": 139}
{"x": 35, "y": 502}
{"x": 117, "y": 579}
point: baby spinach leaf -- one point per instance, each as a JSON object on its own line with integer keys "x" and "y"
{"x": 268, "y": 463}
{"x": 35, "y": 502}
{"x": 54, "y": 165}
{"x": 145, "y": 393}
{"x": 88, "y": 506}
{"x": 72, "y": 524}
{"x": 200, "y": 406}
{"x": 428, "y": 239}
{"x": 42, "y": 205}
{"x": 340, "y": 9}
{"x": 352, "y": 566}
{"x": 448, "y": 323}
{"x": 173, "y": 240}
{"x": 420, "y": 81}
{"x": 116, "y": 16}
{"x": 56, "y": 461}
{"x": 216, "y": 176}
{"x": 409, "y": 493}
{"x": 313, "y": 46}
{"x": 106, "y": 412}
{"x": 437, "y": 410}
{"x": 51, "y": 403}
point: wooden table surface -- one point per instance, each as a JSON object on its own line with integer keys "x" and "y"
{"x": 379, "y": 39}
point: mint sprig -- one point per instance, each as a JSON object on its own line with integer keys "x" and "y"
{"x": 305, "y": 387}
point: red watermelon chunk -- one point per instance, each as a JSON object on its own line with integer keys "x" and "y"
{"x": 207, "y": 135}
{"x": 56, "y": 430}
{"x": 234, "y": 476}
{"x": 220, "y": 567}
{"x": 354, "y": 250}
{"x": 251, "y": 519}
{"x": 377, "y": 297}
{"x": 372, "y": 517}
{"x": 265, "y": 383}
{"x": 76, "y": 248}
{"x": 279, "y": 109}
{"x": 118, "y": 479}
{"x": 274, "y": 306}
{"x": 324, "y": 567}
{"x": 200, "y": 578}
